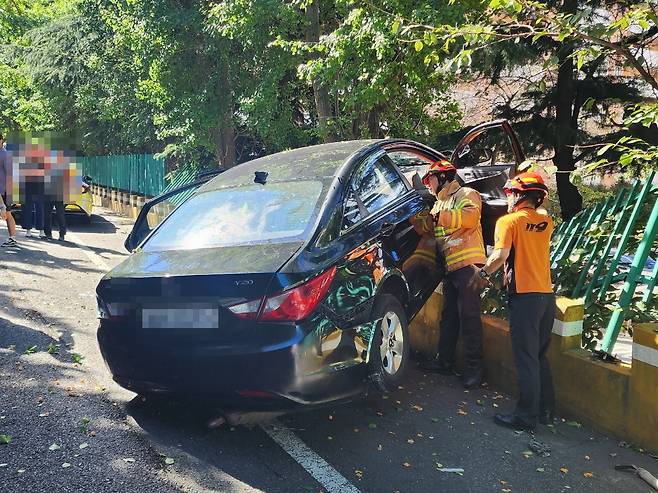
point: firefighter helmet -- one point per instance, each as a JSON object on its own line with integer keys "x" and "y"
{"x": 437, "y": 168}
{"x": 526, "y": 182}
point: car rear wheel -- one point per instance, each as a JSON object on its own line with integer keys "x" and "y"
{"x": 389, "y": 352}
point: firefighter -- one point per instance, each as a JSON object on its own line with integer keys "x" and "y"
{"x": 455, "y": 221}
{"x": 522, "y": 246}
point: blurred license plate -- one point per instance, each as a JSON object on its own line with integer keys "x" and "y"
{"x": 197, "y": 317}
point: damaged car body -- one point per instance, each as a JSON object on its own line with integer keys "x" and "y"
{"x": 282, "y": 282}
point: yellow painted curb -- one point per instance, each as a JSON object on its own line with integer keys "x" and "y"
{"x": 646, "y": 335}
{"x": 569, "y": 310}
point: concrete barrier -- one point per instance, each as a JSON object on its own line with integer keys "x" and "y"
{"x": 124, "y": 203}
{"x": 617, "y": 398}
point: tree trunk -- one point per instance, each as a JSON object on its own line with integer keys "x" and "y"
{"x": 374, "y": 130}
{"x": 321, "y": 94}
{"x": 224, "y": 134}
{"x": 225, "y": 143}
{"x": 566, "y": 129}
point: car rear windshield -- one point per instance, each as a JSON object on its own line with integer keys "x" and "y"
{"x": 275, "y": 212}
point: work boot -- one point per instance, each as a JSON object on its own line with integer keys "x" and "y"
{"x": 472, "y": 377}
{"x": 513, "y": 421}
{"x": 437, "y": 365}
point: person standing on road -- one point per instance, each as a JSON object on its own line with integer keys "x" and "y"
{"x": 522, "y": 241}
{"x": 5, "y": 174}
{"x": 54, "y": 197}
{"x": 455, "y": 222}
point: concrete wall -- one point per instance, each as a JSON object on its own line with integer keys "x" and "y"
{"x": 614, "y": 397}
{"x": 123, "y": 203}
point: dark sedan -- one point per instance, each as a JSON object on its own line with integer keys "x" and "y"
{"x": 281, "y": 281}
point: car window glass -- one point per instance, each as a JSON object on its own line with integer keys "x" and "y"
{"x": 375, "y": 184}
{"x": 275, "y": 212}
{"x": 492, "y": 147}
{"x": 410, "y": 163}
{"x": 162, "y": 209}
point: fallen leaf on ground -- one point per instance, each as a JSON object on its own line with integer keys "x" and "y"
{"x": 575, "y": 424}
{"x": 587, "y": 457}
{"x": 406, "y": 464}
{"x": 410, "y": 440}
{"x": 54, "y": 446}
{"x": 77, "y": 358}
{"x": 462, "y": 412}
{"x": 454, "y": 470}
{"x": 5, "y": 439}
{"x": 540, "y": 469}
{"x": 435, "y": 420}
{"x": 588, "y": 475}
{"x": 480, "y": 402}
{"x": 372, "y": 425}
{"x": 564, "y": 470}
{"x": 527, "y": 454}
{"x": 83, "y": 445}
{"x": 417, "y": 407}
{"x": 43, "y": 415}
{"x": 31, "y": 350}
{"x": 169, "y": 461}
{"x": 129, "y": 460}
{"x": 65, "y": 465}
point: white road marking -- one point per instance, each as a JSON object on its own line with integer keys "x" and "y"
{"x": 316, "y": 466}
{"x": 91, "y": 255}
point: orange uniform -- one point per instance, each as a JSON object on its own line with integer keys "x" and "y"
{"x": 527, "y": 234}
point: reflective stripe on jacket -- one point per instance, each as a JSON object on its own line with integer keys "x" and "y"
{"x": 457, "y": 214}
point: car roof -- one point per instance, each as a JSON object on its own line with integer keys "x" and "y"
{"x": 318, "y": 162}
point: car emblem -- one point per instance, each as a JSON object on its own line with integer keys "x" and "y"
{"x": 247, "y": 282}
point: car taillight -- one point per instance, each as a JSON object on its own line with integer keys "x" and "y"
{"x": 289, "y": 306}
{"x": 248, "y": 310}
{"x": 298, "y": 303}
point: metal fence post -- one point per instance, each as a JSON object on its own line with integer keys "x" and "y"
{"x": 612, "y": 331}
{"x": 628, "y": 231}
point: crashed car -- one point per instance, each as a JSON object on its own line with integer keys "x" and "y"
{"x": 281, "y": 282}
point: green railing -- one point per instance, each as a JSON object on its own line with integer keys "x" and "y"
{"x": 593, "y": 243}
{"x": 136, "y": 173}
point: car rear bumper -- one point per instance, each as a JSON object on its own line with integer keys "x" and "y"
{"x": 277, "y": 376}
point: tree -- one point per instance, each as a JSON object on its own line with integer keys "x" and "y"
{"x": 574, "y": 41}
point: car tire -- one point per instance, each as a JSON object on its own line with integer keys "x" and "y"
{"x": 389, "y": 350}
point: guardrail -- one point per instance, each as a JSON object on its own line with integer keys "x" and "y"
{"x": 593, "y": 244}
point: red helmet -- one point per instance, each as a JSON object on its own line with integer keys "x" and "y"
{"x": 438, "y": 167}
{"x": 526, "y": 182}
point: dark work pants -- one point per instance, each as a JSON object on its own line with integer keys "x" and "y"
{"x": 32, "y": 214}
{"x": 461, "y": 313}
{"x": 531, "y": 323}
{"x": 48, "y": 217}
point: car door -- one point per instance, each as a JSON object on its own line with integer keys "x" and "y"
{"x": 485, "y": 158}
{"x": 413, "y": 162}
{"x": 158, "y": 209}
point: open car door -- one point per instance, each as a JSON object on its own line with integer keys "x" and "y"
{"x": 485, "y": 158}
{"x": 158, "y": 208}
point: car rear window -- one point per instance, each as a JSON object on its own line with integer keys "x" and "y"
{"x": 275, "y": 212}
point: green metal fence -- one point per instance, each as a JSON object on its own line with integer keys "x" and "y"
{"x": 136, "y": 173}
{"x": 593, "y": 244}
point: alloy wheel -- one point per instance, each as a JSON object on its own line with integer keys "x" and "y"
{"x": 391, "y": 349}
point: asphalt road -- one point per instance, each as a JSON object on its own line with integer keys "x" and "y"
{"x": 73, "y": 429}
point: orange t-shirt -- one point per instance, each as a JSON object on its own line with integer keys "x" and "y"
{"x": 527, "y": 233}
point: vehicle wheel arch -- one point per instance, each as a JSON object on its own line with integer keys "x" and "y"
{"x": 395, "y": 284}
